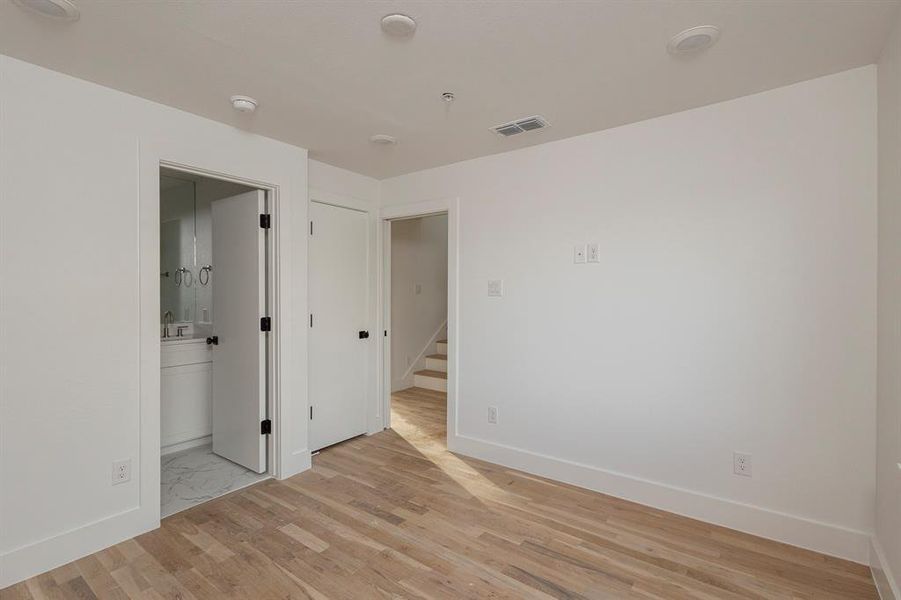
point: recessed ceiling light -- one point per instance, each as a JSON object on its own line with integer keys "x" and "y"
{"x": 244, "y": 104}
{"x": 64, "y": 10}
{"x": 398, "y": 25}
{"x": 383, "y": 139}
{"x": 693, "y": 40}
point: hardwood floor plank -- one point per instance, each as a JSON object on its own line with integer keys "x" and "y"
{"x": 395, "y": 515}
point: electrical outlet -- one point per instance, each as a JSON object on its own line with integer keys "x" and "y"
{"x": 579, "y": 253}
{"x": 741, "y": 464}
{"x": 492, "y": 414}
{"x": 594, "y": 253}
{"x": 121, "y": 471}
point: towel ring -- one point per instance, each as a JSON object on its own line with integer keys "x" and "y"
{"x": 183, "y": 275}
{"x": 204, "y": 269}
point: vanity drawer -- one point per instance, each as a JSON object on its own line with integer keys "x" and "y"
{"x": 174, "y": 355}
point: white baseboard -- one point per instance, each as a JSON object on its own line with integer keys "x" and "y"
{"x": 41, "y": 556}
{"x": 299, "y": 461}
{"x": 826, "y": 538}
{"x": 186, "y": 445}
{"x": 882, "y": 574}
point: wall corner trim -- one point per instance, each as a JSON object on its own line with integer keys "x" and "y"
{"x": 886, "y": 584}
{"x": 827, "y": 538}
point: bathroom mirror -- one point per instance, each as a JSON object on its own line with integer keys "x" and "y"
{"x": 185, "y": 257}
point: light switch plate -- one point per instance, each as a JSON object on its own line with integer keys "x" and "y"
{"x": 594, "y": 253}
{"x": 496, "y": 287}
{"x": 579, "y": 253}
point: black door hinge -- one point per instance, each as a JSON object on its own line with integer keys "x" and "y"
{"x": 266, "y": 427}
{"x": 311, "y": 227}
{"x": 386, "y": 333}
{"x": 265, "y": 323}
{"x": 265, "y": 221}
{"x": 311, "y": 319}
{"x": 311, "y": 413}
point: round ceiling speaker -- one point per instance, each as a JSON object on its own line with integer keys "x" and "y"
{"x": 693, "y": 40}
{"x": 64, "y": 10}
{"x": 244, "y": 104}
{"x": 398, "y": 25}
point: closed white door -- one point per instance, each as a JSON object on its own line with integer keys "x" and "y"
{"x": 239, "y": 356}
{"x": 337, "y": 278}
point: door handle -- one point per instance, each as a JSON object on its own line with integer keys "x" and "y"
{"x": 214, "y": 341}
{"x": 364, "y": 335}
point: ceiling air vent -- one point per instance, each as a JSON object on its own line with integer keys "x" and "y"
{"x": 520, "y": 126}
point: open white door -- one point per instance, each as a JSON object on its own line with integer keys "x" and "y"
{"x": 239, "y": 356}
{"x": 338, "y": 336}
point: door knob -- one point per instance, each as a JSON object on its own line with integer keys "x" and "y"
{"x": 364, "y": 335}
{"x": 212, "y": 340}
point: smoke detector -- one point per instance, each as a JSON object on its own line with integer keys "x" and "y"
{"x": 694, "y": 40}
{"x": 398, "y": 25}
{"x": 63, "y": 10}
{"x": 244, "y": 104}
{"x": 520, "y": 126}
{"x": 383, "y": 139}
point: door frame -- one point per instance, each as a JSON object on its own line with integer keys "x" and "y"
{"x": 450, "y": 207}
{"x": 279, "y": 342}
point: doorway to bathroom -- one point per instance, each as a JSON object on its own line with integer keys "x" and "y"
{"x": 214, "y": 346}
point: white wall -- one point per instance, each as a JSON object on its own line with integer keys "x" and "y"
{"x": 418, "y": 293}
{"x": 887, "y": 566}
{"x": 733, "y": 309}
{"x": 79, "y": 347}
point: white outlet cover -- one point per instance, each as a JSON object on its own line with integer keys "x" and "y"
{"x": 741, "y": 464}
{"x": 492, "y": 414}
{"x": 496, "y": 287}
{"x": 594, "y": 253}
{"x": 579, "y": 253}
{"x": 121, "y": 471}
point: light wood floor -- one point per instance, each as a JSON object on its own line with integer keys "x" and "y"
{"x": 395, "y": 515}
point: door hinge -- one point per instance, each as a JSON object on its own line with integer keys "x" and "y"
{"x": 265, "y": 221}
{"x": 311, "y": 413}
{"x": 311, "y": 319}
{"x": 265, "y": 323}
{"x": 311, "y": 227}
{"x": 266, "y": 427}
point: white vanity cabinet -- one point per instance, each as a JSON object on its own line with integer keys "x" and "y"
{"x": 186, "y": 394}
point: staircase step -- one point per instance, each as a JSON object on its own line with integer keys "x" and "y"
{"x": 431, "y": 380}
{"x": 436, "y": 362}
{"x": 442, "y": 346}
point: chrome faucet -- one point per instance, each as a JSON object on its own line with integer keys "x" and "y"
{"x": 168, "y": 319}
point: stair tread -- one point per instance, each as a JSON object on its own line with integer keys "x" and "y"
{"x": 441, "y": 341}
{"x": 432, "y": 373}
{"x": 438, "y": 356}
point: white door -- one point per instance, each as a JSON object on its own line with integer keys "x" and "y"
{"x": 337, "y": 279}
{"x": 239, "y": 357}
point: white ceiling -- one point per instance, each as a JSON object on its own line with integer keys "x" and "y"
{"x": 327, "y": 77}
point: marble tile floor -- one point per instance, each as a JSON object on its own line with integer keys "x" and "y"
{"x": 193, "y": 476}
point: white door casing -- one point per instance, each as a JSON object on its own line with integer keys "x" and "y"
{"x": 239, "y": 301}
